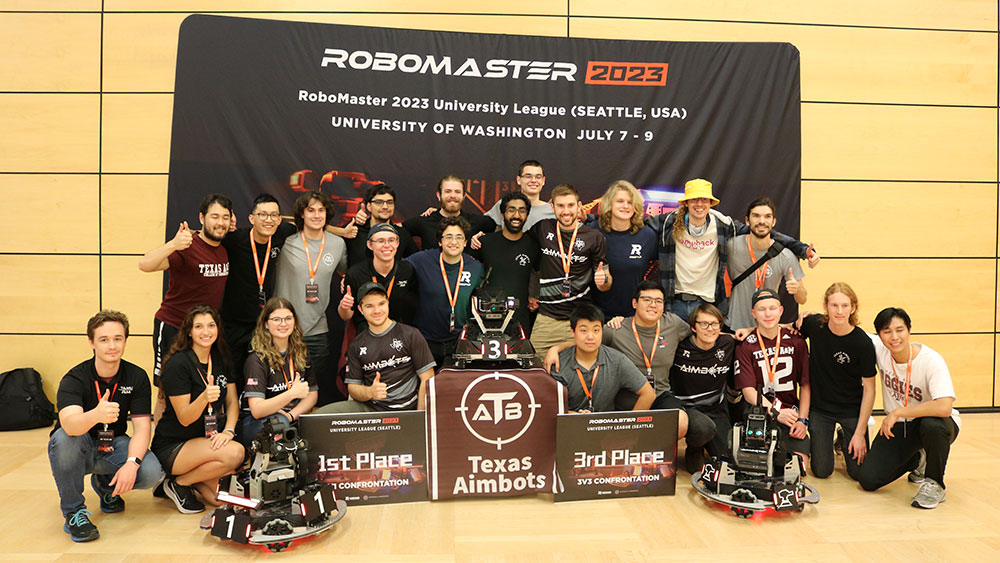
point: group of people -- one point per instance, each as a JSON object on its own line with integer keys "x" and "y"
{"x": 626, "y": 311}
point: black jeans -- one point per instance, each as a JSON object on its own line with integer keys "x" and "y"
{"x": 890, "y": 458}
{"x": 822, "y": 428}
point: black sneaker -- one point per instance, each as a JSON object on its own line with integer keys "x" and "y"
{"x": 158, "y": 491}
{"x": 839, "y": 440}
{"x": 109, "y": 502}
{"x": 79, "y": 527}
{"x": 183, "y": 497}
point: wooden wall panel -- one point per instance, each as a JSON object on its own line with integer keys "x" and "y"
{"x": 866, "y": 142}
{"x": 934, "y": 14}
{"x": 135, "y": 135}
{"x": 970, "y": 361}
{"x": 49, "y": 213}
{"x": 50, "y": 5}
{"x": 67, "y": 59}
{"x": 52, "y": 355}
{"x": 847, "y": 64}
{"x": 540, "y": 7}
{"x": 127, "y": 289}
{"x": 133, "y": 213}
{"x": 898, "y": 218}
{"x": 49, "y": 132}
{"x": 42, "y": 294}
{"x": 941, "y": 295}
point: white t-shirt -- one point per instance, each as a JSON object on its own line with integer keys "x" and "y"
{"x": 696, "y": 263}
{"x": 929, "y": 378}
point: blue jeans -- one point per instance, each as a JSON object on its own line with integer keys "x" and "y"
{"x": 72, "y": 457}
{"x": 683, "y": 309}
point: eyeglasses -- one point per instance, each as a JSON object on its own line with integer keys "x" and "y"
{"x": 708, "y": 325}
{"x": 449, "y": 238}
{"x": 653, "y": 300}
{"x": 533, "y": 176}
{"x": 516, "y": 210}
{"x": 385, "y": 241}
{"x": 381, "y": 202}
{"x": 282, "y": 320}
{"x": 266, "y": 216}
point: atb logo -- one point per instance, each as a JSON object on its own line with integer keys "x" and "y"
{"x": 842, "y": 357}
{"x": 498, "y": 408}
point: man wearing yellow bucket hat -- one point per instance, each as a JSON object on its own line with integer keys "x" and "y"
{"x": 693, "y": 252}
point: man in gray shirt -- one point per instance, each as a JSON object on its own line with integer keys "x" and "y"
{"x": 745, "y": 250}
{"x": 306, "y": 265}
{"x": 594, "y": 374}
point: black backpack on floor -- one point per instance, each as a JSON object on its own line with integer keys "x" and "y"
{"x": 23, "y": 404}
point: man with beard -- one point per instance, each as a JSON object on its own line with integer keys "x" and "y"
{"x": 746, "y": 250}
{"x": 199, "y": 267}
{"x": 379, "y": 208}
{"x": 305, "y": 273}
{"x": 510, "y": 256}
{"x": 530, "y": 180}
{"x": 385, "y": 268}
{"x": 451, "y": 195}
{"x": 251, "y": 275}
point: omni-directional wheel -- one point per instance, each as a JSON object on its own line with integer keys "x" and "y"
{"x": 279, "y": 546}
{"x": 742, "y": 512}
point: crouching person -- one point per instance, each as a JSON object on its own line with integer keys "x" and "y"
{"x": 279, "y": 380}
{"x": 95, "y": 400}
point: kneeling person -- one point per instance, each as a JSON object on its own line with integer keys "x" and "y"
{"x": 594, "y": 374}
{"x": 273, "y": 384}
{"x": 388, "y": 363}
{"x": 95, "y": 399}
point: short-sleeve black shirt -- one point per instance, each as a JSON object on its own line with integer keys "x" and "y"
{"x": 699, "y": 377}
{"x": 264, "y": 382}
{"x": 510, "y": 263}
{"x": 180, "y": 376}
{"x": 398, "y": 355}
{"x": 132, "y": 393}
{"x": 403, "y": 298}
{"x": 836, "y": 366}
{"x": 357, "y": 247}
{"x": 240, "y": 302}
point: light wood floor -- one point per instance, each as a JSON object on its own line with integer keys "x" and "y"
{"x": 848, "y": 524}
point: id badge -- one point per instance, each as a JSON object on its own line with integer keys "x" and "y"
{"x": 566, "y": 286}
{"x": 211, "y": 425}
{"x": 261, "y": 299}
{"x": 451, "y": 321}
{"x": 312, "y": 293}
{"x": 105, "y": 439}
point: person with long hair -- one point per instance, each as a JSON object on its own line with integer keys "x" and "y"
{"x": 278, "y": 378}
{"x": 842, "y": 376}
{"x": 632, "y": 247}
{"x": 195, "y": 439}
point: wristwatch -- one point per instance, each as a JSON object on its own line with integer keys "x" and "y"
{"x": 135, "y": 460}
{"x": 804, "y": 421}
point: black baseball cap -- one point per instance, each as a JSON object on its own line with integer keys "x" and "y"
{"x": 382, "y": 228}
{"x": 762, "y": 294}
{"x": 369, "y": 287}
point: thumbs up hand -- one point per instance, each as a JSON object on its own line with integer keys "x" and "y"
{"x": 299, "y": 387}
{"x": 791, "y": 284}
{"x": 812, "y": 256}
{"x": 212, "y": 392}
{"x": 600, "y": 275}
{"x": 183, "y": 238}
{"x": 347, "y": 303}
{"x": 107, "y": 411}
{"x": 351, "y": 228}
{"x": 379, "y": 390}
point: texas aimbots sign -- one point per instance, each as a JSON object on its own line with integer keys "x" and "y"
{"x": 492, "y": 433}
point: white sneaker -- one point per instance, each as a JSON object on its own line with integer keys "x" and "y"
{"x": 930, "y": 494}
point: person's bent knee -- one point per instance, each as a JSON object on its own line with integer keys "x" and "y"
{"x": 682, "y": 423}
{"x": 232, "y": 455}
{"x": 820, "y": 470}
{"x": 66, "y": 450}
{"x": 867, "y": 482}
{"x": 936, "y": 426}
{"x": 150, "y": 472}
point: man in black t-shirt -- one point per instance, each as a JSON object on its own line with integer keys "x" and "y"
{"x": 386, "y": 268}
{"x": 95, "y": 399}
{"x": 510, "y": 256}
{"x": 388, "y": 364}
{"x": 379, "y": 207}
{"x": 451, "y": 195}
{"x": 251, "y": 275}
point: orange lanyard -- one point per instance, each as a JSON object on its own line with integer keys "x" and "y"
{"x": 760, "y": 274}
{"x": 205, "y": 379}
{"x": 313, "y": 267}
{"x": 909, "y": 368}
{"x": 452, "y": 297}
{"x": 291, "y": 369}
{"x": 388, "y": 290}
{"x": 267, "y": 258}
{"x": 772, "y": 366}
{"x": 652, "y": 351}
{"x": 588, "y": 392}
{"x": 567, "y": 258}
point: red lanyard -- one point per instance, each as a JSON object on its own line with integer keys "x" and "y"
{"x": 111, "y": 396}
{"x": 772, "y": 367}
{"x": 567, "y": 258}
{"x": 452, "y": 297}
{"x": 313, "y": 266}
{"x": 205, "y": 379}
{"x": 909, "y": 368}
{"x": 589, "y": 392}
{"x": 760, "y": 274}
{"x": 652, "y": 351}
{"x": 267, "y": 258}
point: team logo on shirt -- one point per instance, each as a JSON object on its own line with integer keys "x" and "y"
{"x": 551, "y": 236}
{"x": 402, "y": 283}
{"x": 275, "y": 251}
{"x": 752, "y": 338}
{"x": 522, "y": 259}
{"x": 396, "y": 345}
{"x": 328, "y": 259}
{"x": 466, "y": 280}
{"x": 842, "y": 358}
{"x": 127, "y": 390}
{"x": 579, "y": 244}
{"x": 364, "y": 350}
{"x": 720, "y": 354}
{"x": 769, "y": 272}
{"x": 636, "y": 251}
{"x": 686, "y": 353}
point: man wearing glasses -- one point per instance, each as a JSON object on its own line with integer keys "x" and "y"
{"x": 253, "y": 263}
{"x": 385, "y": 268}
{"x": 530, "y": 181}
{"x": 510, "y": 256}
{"x": 451, "y": 196}
{"x": 446, "y": 279}
{"x": 378, "y": 208}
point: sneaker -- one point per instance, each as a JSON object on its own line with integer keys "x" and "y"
{"x": 930, "y": 494}
{"x": 79, "y": 527}
{"x": 917, "y": 475}
{"x": 183, "y": 497}
{"x": 109, "y": 502}
{"x": 158, "y": 491}
{"x": 839, "y": 440}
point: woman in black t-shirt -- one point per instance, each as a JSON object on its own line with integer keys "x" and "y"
{"x": 194, "y": 439}
{"x": 279, "y": 380}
